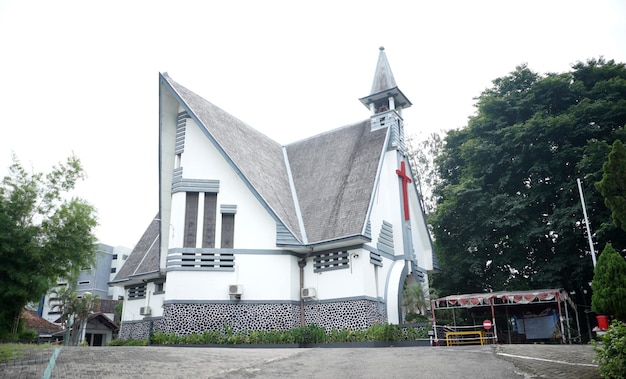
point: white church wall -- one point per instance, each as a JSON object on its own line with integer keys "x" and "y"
{"x": 421, "y": 239}
{"x": 168, "y": 110}
{"x": 201, "y": 160}
{"x": 395, "y": 277}
{"x": 267, "y": 277}
{"x": 177, "y": 220}
{"x": 370, "y": 278}
{"x": 261, "y": 279}
{"x": 352, "y": 281}
{"x": 131, "y": 309}
{"x": 153, "y": 299}
{"x": 387, "y": 204}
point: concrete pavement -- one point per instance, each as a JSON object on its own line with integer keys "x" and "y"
{"x": 494, "y": 361}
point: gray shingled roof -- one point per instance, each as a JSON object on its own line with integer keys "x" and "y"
{"x": 334, "y": 175}
{"x": 144, "y": 258}
{"x": 259, "y": 158}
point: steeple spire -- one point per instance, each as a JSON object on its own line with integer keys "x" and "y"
{"x": 386, "y": 102}
{"x": 385, "y": 94}
{"x": 383, "y": 77}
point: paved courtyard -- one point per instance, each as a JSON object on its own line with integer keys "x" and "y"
{"x": 495, "y": 361}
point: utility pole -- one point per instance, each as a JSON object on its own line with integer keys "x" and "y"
{"x": 582, "y": 201}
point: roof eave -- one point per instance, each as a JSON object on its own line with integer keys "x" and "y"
{"x": 357, "y": 239}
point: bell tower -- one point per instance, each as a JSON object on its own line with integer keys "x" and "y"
{"x": 386, "y": 102}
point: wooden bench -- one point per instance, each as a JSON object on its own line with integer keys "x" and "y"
{"x": 451, "y": 340}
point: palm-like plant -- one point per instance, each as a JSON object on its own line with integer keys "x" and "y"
{"x": 74, "y": 310}
{"x": 82, "y": 307}
{"x": 414, "y": 299}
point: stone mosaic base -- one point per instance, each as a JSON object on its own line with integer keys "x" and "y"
{"x": 139, "y": 330}
{"x": 189, "y": 318}
{"x": 355, "y": 315}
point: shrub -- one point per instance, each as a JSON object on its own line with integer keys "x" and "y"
{"x": 611, "y": 355}
{"x": 412, "y": 334}
{"x": 384, "y": 332}
{"x": 309, "y": 334}
{"x": 300, "y": 335}
{"x": 415, "y": 318}
{"x": 609, "y": 284}
{"x": 119, "y": 342}
{"x": 28, "y": 335}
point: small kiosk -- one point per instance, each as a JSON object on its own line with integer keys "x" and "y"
{"x": 505, "y": 317}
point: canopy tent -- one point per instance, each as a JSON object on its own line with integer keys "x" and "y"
{"x": 509, "y": 299}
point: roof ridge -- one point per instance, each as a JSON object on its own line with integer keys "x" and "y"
{"x": 335, "y": 130}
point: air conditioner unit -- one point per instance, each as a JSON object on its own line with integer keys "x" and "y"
{"x": 235, "y": 291}
{"x": 307, "y": 293}
{"x": 145, "y": 311}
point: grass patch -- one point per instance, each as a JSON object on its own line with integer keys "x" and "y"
{"x": 9, "y": 351}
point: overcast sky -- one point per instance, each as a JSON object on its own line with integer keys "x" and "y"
{"x": 82, "y": 76}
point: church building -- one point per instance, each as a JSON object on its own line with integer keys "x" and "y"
{"x": 255, "y": 235}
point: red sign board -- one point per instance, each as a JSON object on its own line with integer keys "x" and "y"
{"x": 487, "y": 324}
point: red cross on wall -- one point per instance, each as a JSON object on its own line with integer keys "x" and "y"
{"x": 405, "y": 195}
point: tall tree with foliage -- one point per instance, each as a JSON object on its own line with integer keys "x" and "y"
{"x": 422, "y": 155}
{"x": 613, "y": 184}
{"x": 509, "y": 215}
{"x": 609, "y": 284}
{"x": 43, "y": 235}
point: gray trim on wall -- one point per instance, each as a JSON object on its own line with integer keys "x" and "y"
{"x": 180, "y": 184}
{"x": 144, "y": 319}
{"x": 368, "y": 229}
{"x": 237, "y": 251}
{"x": 209, "y": 224}
{"x": 337, "y": 249}
{"x": 385, "y": 238}
{"x": 405, "y": 272}
{"x": 228, "y": 208}
{"x": 181, "y": 126}
{"x": 335, "y": 300}
{"x": 203, "y": 268}
{"x": 376, "y": 259}
{"x": 331, "y": 261}
{"x": 284, "y": 236}
{"x": 177, "y": 174}
{"x": 190, "y": 232}
{"x": 382, "y": 253}
{"x": 136, "y": 291}
{"x": 418, "y": 273}
{"x": 194, "y": 259}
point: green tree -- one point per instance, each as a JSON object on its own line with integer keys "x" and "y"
{"x": 422, "y": 155}
{"x": 509, "y": 214}
{"x": 613, "y": 184}
{"x": 609, "y": 284}
{"x": 43, "y": 235}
